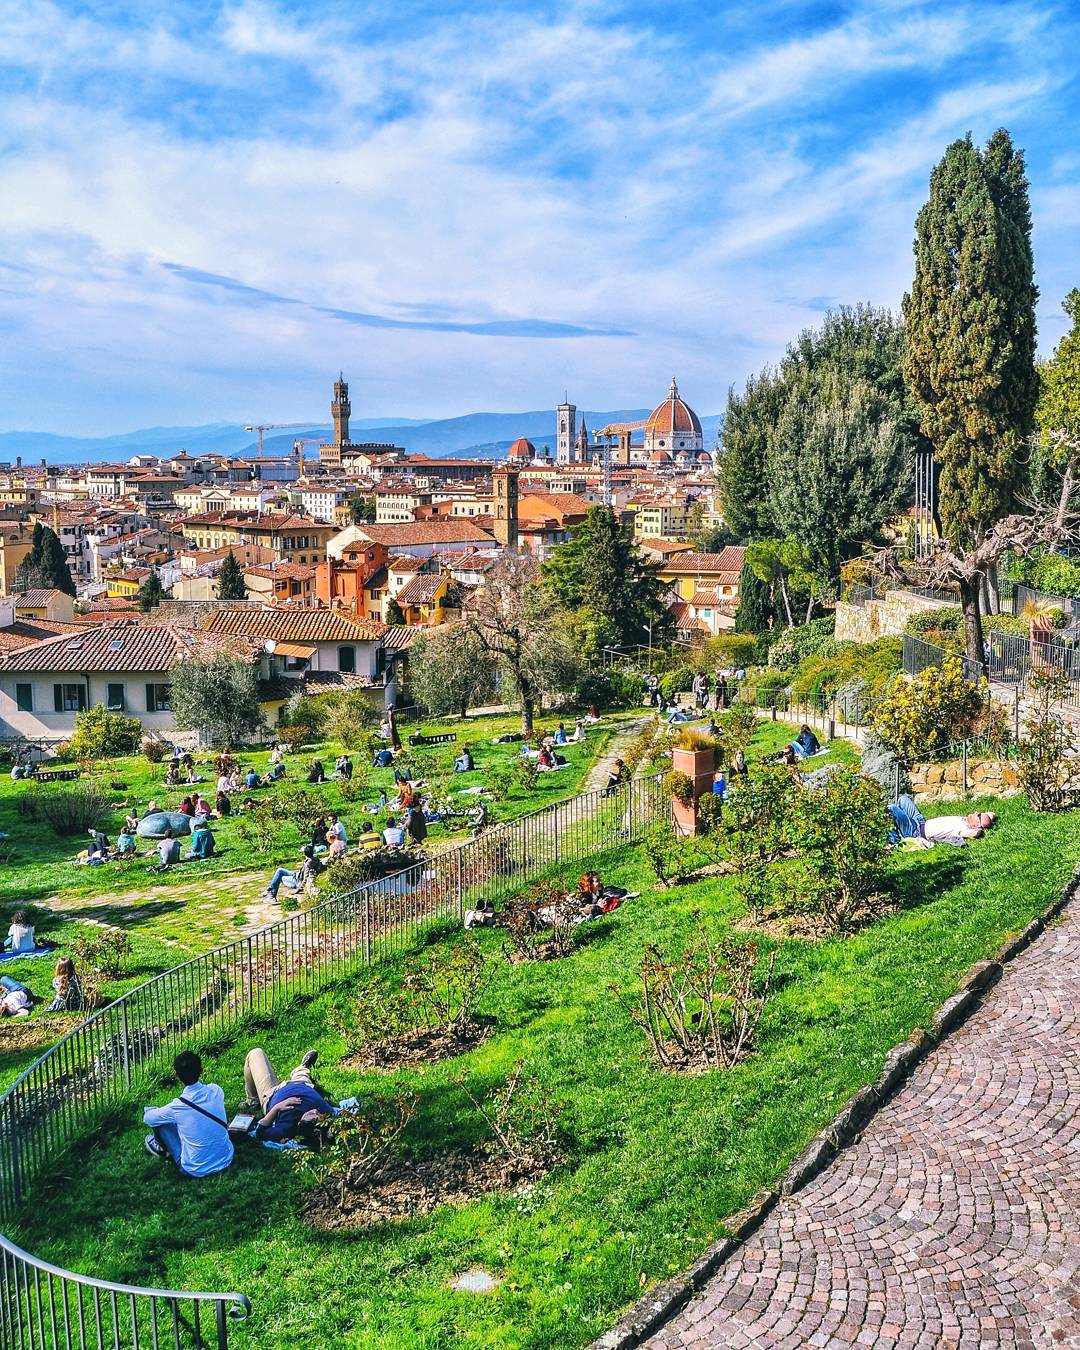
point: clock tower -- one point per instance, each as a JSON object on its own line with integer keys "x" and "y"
{"x": 565, "y": 433}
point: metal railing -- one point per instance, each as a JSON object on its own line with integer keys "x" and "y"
{"x": 919, "y": 655}
{"x": 98, "y": 1066}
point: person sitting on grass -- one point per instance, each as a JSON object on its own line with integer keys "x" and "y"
{"x": 464, "y": 762}
{"x": 298, "y": 879}
{"x": 335, "y": 831}
{"x": 393, "y": 836}
{"x": 319, "y": 841}
{"x": 593, "y": 894}
{"x": 579, "y": 730}
{"x": 316, "y": 772}
{"x": 20, "y": 935}
{"x": 67, "y": 988}
{"x": 222, "y": 805}
{"x": 738, "y": 767}
{"x": 172, "y": 774}
{"x": 168, "y": 851}
{"x": 277, "y": 772}
{"x": 805, "y": 743}
{"x": 545, "y": 759}
{"x": 203, "y": 843}
{"x": 191, "y": 1131}
{"x": 252, "y": 779}
{"x": 343, "y": 767}
{"x": 187, "y": 807}
{"x": 100, "y": 850}
{"x": 291, "y": 1110}
{"x": 618, "y": 775}
{"x": 125, "y": 843}
{"x": 383, "y": 758}
{"x": 202, "y": 806}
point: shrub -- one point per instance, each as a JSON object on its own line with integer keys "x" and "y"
{"x": 302, "y": 710}
{"x": 737, "y": 728}
{"x": 879, "y": 762}
{"x": 357, "y": 1147}
{"x": 690, "y": 738}
{"x": 523, "y": 1119}
{"x": 731, "y": 650}
{"x": 923, "y": 714}
{"x": 752, "y": 833}
{"x": 292, "y": 737}
{"x": 100, "y": 734}
{"x": 945, "y": 619}
{"x": 154, "y": 749}
{"x": 680, "y": 786}
{"x": 641, "y": 746}
{"x": 677, "y": 681}
{"x": 1057, "y": 575}
{"x": 527, "y": 772}
{"x": 796, "y": 644}
{"x": 841, "y": 834}
{"x": 258, "y": 827}
{"x": 104, "y": 951}
{"x": 73, "y": 810}
{"x": 608, "y": 689}
{"x": 671, "y": 858}
{"x": 445, "y": 985}
{"x": 529, "y": 937}
{"x": 292, "y": 801}
{"x": 1045, "y": 753}
{"x": 877, "y": 664}
{"x": 502, "y": 781}
{"x": 357, "y": 869}
{"x": 710, "y": 809}
{"x": 346, "y": 718}
{"x": 701, "y": 1007}
{"x": 375, "y": 1016}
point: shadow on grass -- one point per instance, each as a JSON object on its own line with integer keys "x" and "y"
{"x": 917, "y": 886}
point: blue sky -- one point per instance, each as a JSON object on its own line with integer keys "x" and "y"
{"x": 209, "y": 209}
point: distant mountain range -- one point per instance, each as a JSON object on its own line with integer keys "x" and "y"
{"x": 474, "y": 436}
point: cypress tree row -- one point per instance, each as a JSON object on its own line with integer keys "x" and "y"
{"x": 970, "y": 359}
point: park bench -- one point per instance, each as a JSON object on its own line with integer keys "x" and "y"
{"x": 56, "y": 775}
{"x": 447, "y": 738}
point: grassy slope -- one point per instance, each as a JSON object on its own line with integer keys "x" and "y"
{"x": 171, "y": 918}
{"x": 658, "y": 1160}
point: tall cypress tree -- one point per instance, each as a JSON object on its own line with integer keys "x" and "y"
{"x": 970, "y": 360}
{"x": 740, "y": 473}
{"x": 755, "y": 611}
{"x": 231, "y": 584}
{"x": 45, "y": 567}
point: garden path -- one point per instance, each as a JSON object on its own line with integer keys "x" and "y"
{"x": 597, "y": 776}
{"x": 954, "y": 1221}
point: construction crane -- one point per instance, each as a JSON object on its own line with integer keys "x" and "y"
{"x": 614, "y": 435}
{"x": 260, "y": 427}
{"x": 298, "y": 448}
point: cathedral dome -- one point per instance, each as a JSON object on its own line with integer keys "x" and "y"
{"x": 659, "y": 457}
{"x": 521, "y": 449}
{"x": 673, "y": 417}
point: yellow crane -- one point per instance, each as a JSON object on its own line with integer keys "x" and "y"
{"x": 260, "y": 427}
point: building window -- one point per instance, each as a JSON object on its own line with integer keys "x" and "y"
{"x": 24, "y": 697}
{"x": 69, "y": 697}
{"x": 158, "y": 698}
{"x": 116, "y": 699}
{"x": 347, "y": 660}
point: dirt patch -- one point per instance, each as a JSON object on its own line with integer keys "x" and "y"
{"x": 28, "y": 1033}
{"x": 775, "y": 924}
{"x": 410, "y": 1188}
{"x": 426, "y": 1046}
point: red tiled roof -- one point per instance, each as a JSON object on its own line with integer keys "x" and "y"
{"x": 296, "y": 625}
{"x": 455, "y": 530}
{"x": 729, "y": 559}
{"x": 23, "y": 632}
{"x": 130, "y": 647}
{"x": 420, "y": 590}
{"x": 35, "y": 598}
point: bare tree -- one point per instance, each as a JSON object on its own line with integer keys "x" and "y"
{"x": 524, "y": 632}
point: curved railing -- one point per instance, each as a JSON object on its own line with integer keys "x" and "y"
{"x": 97, "y": 1066}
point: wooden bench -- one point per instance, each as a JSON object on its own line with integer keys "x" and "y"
{"x": 447, "y": 738}
{"x": 56, "y": 775}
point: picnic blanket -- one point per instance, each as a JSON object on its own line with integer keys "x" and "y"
{"x": 27, "y": 956}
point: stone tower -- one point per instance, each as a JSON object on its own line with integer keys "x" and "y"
{"x": 504, "y": 487}
{"x": 565, "y": 432}
{"x": 340, "y": 409}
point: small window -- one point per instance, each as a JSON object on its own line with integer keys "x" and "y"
{"x": 347, "y": 660}
{"x": 69, "y": 697}
{"x": 116, "y": 699}
{"x": 24, "y": 697}
{"x": 158, "y": 698}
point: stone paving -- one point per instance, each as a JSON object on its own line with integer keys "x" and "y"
{"x": 955, "y": 1220}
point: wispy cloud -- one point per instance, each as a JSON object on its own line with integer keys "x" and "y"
{"x": 212, "y": 206}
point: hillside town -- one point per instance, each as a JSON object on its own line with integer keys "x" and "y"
{"x": 346, "y": 552}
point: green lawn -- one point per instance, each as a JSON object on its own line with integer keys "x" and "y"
{"x": 198, "y": 906}
{"x": 657, "y": 1161}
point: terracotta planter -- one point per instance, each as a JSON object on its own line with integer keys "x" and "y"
{"x": 684, "y": 818}
{"x": 698, "y": 765}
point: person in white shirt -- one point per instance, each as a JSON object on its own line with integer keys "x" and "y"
{"x": 335, "y": 830}
{"x": 192, "y": 1130}
{"x": 20, "y": 936}
{"x": 393, "y": 836}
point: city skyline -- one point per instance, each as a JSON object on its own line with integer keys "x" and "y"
{"x": 209, "y": 211}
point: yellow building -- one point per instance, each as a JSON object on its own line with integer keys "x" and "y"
{"x": 126, "y": 585}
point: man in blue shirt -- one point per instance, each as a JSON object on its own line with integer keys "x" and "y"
{"x": 290, "y": 1109}
{"x": 192, "y": 1130}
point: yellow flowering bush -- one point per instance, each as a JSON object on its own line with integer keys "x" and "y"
{"x": 938, "y": 705}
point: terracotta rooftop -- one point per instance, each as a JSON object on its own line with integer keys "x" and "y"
{"x": 35, "y": 598}
{"x": 128, "y": 647}
{"x": 420, "y": 590}
{"x": 455, "y": 530}
{"x": 23, "y": 632}
{"x": 296, "y": 625}
{"x": 729, "y": 559}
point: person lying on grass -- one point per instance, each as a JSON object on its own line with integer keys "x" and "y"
{"x": 291, "y": 1110}
{"x": 191, "y": 1131}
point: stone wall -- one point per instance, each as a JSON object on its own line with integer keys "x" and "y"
{"x": 879, "y": 618}
{"x": 945, "y": 782}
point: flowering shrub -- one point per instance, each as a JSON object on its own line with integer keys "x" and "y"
{"x": 680, "y": 786}
{"x": 937, "y": 706}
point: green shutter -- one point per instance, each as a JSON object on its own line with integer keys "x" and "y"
{"x": 58, "y": 697}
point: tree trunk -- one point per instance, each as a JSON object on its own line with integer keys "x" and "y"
{"x": 787, "y": 602}
{"x": 809, "y": 609}
{"x": 528, "y": 704}
{"x": 993, "y": 589}
{"x": 973, "y": 633}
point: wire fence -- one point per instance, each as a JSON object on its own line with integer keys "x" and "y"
{"x": 98, "y": 1066}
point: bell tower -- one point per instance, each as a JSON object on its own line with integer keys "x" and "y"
{"x": 340, "y": 409}
{"x": 565, "y": 432}
{"x": 504, "y": 487}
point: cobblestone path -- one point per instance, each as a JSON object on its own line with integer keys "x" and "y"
{"x": 955, "y": 1220}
